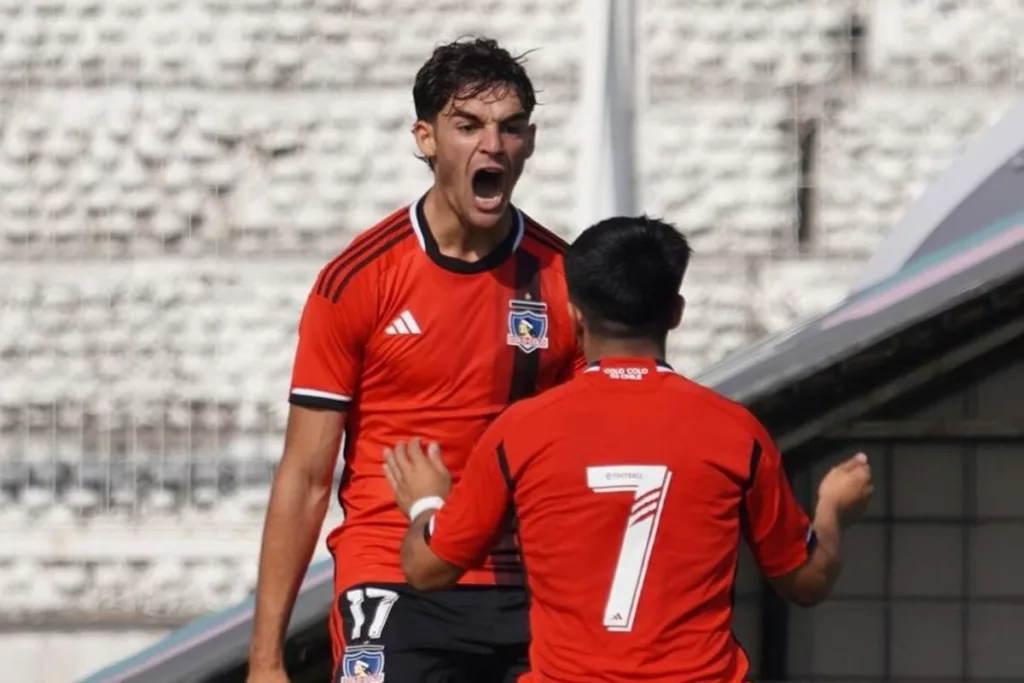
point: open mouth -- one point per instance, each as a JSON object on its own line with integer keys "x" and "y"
{"x": 489, "y": 187}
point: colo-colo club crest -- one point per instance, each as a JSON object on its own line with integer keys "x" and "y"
{"x": 528, "y": 325}
{"x": 362, "y": 664}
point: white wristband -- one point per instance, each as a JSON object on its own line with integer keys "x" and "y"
{"x": 423, "y": 504}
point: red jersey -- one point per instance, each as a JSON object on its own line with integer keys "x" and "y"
{"x": 413, "y": 343}
{"x": 632, "y": 486}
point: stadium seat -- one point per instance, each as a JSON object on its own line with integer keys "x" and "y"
{"x": 259, "y": 44}
{"x": 714, "y": 44}
{"x": 880, "y": 150}
{"x": 936, "y": 43}
{"x": 724, "y": 170}
{"x": 162, "y": 175}
{"x": 147, "y": 346}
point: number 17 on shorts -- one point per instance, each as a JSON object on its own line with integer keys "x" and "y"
{"x": 363, "y": 659}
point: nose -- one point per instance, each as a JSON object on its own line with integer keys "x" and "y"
{"x": 490, "y": 140}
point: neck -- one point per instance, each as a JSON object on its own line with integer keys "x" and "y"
{"x": 456, "y": 237}
{"x": 596, "y": 349}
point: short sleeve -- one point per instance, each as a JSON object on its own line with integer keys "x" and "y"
{"x": 332, "y": 339}
{"x": 777, "y": 528}
{"x": 473, "y": 519}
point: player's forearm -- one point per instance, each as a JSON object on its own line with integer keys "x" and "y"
{"x": 295, "y": 514}
{"x": 819, "y": 574}
{"x": 423, "y": 569}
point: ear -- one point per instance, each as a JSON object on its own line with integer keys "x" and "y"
{"x": 576, "y": 317}
{"x": 425, "y": 138}
{"x": 677, "y": 312}
{"x": 531, "y": 139}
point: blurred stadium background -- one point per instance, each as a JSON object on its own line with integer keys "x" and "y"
{"x": 174, "y": 172}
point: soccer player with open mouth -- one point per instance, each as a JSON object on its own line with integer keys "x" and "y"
{"x": 430, "y": 323}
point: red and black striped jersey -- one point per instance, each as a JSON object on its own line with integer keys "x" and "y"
{"x": 416, "y": 344}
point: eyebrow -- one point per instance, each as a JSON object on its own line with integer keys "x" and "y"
{"x": 514, "y": 118}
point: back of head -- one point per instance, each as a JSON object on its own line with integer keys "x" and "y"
{"x": 624, "y": 276}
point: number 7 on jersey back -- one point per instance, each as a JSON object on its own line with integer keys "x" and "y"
{"x": 649, "y": 485}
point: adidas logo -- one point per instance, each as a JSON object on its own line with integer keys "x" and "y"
{"x": 403, "y": 324}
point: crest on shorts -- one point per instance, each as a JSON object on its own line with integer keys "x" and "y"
{"x": 528, "y": 325}
{"x": 364, "y": 664}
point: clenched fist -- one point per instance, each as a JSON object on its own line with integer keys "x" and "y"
{"x": 847, "y": 488}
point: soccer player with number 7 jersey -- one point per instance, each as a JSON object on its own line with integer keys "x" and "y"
{"x": 632, "y": 486}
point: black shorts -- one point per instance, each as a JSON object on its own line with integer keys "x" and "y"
{"x": 467, "y": 634}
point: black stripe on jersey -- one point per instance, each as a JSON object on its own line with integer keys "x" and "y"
{"x": 319, "y": 402}
{"x": 551, "y": 234}
{"x": 755, "y": 461}
{"x": 360, "y": 243}
{"x": 503, "y": 465}
{"x": 359, "y": 246}
{"x": 348, "y": 450}
{"x": 546, "y": 237}
{"x": 380, "y": 251}
{"x": 503, "y": 564}
{"x": 544, "y": 244}
{"x": 525, "y": 366}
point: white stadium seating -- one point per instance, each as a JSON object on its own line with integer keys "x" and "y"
{"x": 879, "y": 152}
{"x": 125, "y": 346}
{"x": 944, "y": 43}
{"x": 724, "y": 171}
{"x": 693, "y": 45}
{"x": 264, "y": 44}
{"x": 107, "y": 175}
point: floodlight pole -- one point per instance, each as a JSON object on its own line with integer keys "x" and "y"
{"x": 605, "y": 170}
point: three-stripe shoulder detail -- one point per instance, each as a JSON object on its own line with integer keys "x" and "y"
{"x": 363, "y": 251}
{"x": 545, "y": 237}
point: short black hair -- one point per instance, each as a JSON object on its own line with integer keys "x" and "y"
{"x": 624, "y": 275}
{"x": 466, "y": 68}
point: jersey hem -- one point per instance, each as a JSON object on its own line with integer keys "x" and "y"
{"x": 346, "y": 576}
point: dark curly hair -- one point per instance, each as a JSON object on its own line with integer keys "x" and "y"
{"x": 624, "y": 275}
{"x": 466, "y": 68}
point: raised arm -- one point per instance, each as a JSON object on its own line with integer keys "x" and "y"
{"x": 802, "y": 560}
{"x": 842, "y": 497}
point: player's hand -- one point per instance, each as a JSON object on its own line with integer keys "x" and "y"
{"x": 847, "y": 488}
{"x": 413, "y": 474}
